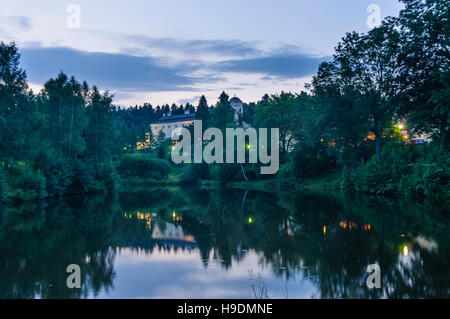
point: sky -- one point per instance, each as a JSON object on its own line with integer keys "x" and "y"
{"x": 174, "y": 51}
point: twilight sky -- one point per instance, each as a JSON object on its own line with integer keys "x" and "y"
{"x": 173, "y": 51}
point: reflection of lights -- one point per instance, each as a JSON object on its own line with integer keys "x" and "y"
{"x": 367, "y": 227}
{"x": 405, "y": 250}
{"x": 348, "y": 225}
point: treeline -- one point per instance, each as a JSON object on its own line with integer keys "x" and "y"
{"x": 70, "y": 138}
{"x": 133, "y": 122}
{"x": 58, "y": 142}
{"x": 363, "y": 108}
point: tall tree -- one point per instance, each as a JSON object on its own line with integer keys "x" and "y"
{"x": 425, "y": 30}
{"x": 16, "y": 104}
{"x": 202, "y": 112}
{"x": 368, "y": 64}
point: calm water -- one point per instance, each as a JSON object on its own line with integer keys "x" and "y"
{"x": 197, "y": 243}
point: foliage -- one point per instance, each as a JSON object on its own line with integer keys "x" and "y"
{"x": 192, "y": 174}
{"x": 415, "y": 171}
{"x": 25, "y": 183}
{"x": 3, "y": 186}
{"x": 143, "y": 167}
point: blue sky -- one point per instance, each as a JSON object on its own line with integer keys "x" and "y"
{"x": 173, "y": 51}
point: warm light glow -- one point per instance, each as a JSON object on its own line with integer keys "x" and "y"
{"x": 405, "y": 250}
{"x": 324, "y": 230}
{"x": 400, "y": 126}
{"x": 250, "y": 220}
{"x": 174, "y": 214}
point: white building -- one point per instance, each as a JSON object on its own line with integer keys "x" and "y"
{"x": 168, "y": 123}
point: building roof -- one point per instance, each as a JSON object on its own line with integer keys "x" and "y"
{"x": 175, "y": 118}
{"x": 235, "y": 100}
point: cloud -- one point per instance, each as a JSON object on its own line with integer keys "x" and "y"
{"x": 193, "y": 100}
{"x": 287, "y": 65}
{"x": 195, "y": 46}
{"x": 128, "y": 75}
{"x": 16, "y": 22}
{"x": 107, "y": 70}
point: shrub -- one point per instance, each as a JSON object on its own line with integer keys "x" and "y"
{"x": 429, "y": 176}
{"x": 193, "y": 173}
{"x": 374, "y": 178}
{"x": 82, "y": 179}
{"x": 108, "y": 176}
{"x": 225, "y": 173}
{"x": 308, "y": 162}
{"x": 57, "y": 173}
{"x": 285, "y": 177}
{"x": 143, "y": 167}
{"x": 3, "y": 186}
{"x": 25, "y": 183}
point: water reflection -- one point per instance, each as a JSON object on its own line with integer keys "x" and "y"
{"x": 210, "y": 243}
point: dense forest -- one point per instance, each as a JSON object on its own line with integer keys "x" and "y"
{"x": 356, "y": 121}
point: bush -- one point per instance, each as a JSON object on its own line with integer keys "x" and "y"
{"x": 285, "y": 177}
{"x": 3, "y": 186}
{"x": 225, "y": 173}
{"x": 429, "y": 176}
{"x": 308, "y": 162}
{"x": 82, "y": 179}
{"x": 108, "y": 175}
{"x": 143, "y": 167}
{"x": 57, "y": 173}
{"x": 193, "y": 173}
{"x": 25, "y": 183}
{"x": 374, "y": 178}
{"x": 413, "y": 170}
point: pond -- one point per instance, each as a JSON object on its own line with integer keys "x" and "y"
{"x": 223, "y": 243}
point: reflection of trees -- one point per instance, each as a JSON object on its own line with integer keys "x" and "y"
{"x": 289, "y": 234}
{"x": 294, "y": 234}
{"x": 37, "y": 244}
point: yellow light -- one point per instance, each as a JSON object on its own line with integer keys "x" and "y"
{"x": 174, "y": 214}
{"x": 249, "y": 146}
{"x": 400, "y": 126}
{"x": 250, "y": 220}
{"x": 405, "y": 250}
{"x": 324, "y": 230}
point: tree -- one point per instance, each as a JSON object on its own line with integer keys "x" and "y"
{"x": 100, "y": 134}
{"x": 280, "y": 111}
{"x": 425, "y": 57}
{"x": 368, "y": 65}
{"x": 16, "y": 104}
{"x": 202, "y": 112}
{"x": 222, "y": 115}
